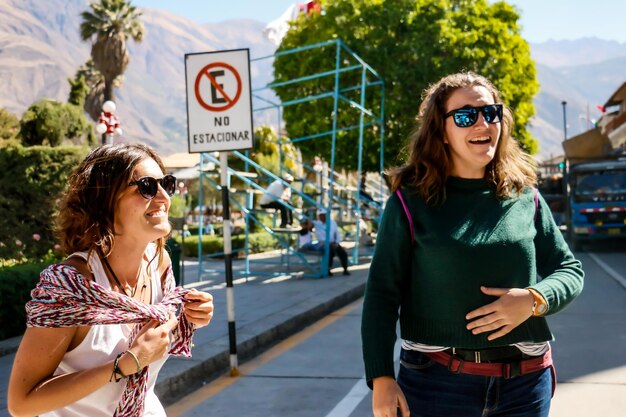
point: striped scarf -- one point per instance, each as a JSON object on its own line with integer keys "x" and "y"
{"x": 64, "y": 298}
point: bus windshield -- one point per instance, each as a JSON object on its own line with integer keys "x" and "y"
{"x": 600, "y": 186}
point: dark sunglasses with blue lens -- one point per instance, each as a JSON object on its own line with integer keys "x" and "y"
{"x": 149, "y": 186}
{"x": 468, "y": 115}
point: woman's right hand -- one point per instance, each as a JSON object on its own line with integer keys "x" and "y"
{"x": 151, "y": 343}
{"x": 388, "y": 397}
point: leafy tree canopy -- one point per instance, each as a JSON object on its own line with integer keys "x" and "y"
{"x": 51, "y": 122}
{"x": 78, "y": 90}
{"x": 88, "y": 87}
{"x": 267, "y": 151}
{"x": 411, "y": 44}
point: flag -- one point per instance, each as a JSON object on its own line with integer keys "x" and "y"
{"x": 601, "y": 108}
{"x": 310, "y": 7}
{"x": 276, "y": 30}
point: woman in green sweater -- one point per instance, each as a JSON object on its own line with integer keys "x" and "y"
{"x": 470, "y": 260}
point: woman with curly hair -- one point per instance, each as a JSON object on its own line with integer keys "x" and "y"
{"x": 469, "y": 259}
{"x": 102, "y": 322}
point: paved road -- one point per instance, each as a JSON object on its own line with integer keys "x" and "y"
{"x": 305, "y": 376}
{"x": 318, "y": 372}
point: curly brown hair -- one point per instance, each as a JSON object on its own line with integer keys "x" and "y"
{"x": 86, "y": 217}
{"x": 428, "y": 166}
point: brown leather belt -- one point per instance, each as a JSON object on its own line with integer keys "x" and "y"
{"x": 509, "y": 369}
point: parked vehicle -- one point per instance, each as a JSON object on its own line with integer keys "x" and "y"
{"x": 597, "y": 201}
{"x": 550, "y": 185}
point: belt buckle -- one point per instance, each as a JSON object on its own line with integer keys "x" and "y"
{"x": 511, "y": 369}
{"x": 452, "y": 358}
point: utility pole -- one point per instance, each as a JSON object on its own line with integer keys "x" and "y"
{"x": 564, "y": 103}
{"x": 565, "y": 179}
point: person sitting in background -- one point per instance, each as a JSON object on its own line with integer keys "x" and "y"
{"x": 276, "y": 195}
{"x": 319, "y": 226}
{"x": 304, "y": 237}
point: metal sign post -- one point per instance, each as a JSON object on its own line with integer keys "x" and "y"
{"x": 219, "y": 118}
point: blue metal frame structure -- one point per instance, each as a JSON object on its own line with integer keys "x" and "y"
{"x": 346, "y": 61}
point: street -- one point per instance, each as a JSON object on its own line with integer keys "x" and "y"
{"x": 318, "y": 372}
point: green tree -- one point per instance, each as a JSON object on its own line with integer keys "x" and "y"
{"x": 110, "y": 23}
{"x": 410, "y": 43}
{"x": 49, "y": 122}
{"x": 78, "y": 90}
{"x": 89, "y": 78}
{"x": 266, "y": 151}
{"x": 9, "y": 125}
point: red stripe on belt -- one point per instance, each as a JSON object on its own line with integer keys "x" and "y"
{"x": 505, "y": 370}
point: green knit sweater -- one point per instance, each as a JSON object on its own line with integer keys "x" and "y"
{"x": 473, "y": 239}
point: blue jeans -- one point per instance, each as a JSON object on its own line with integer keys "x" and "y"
{"x": 433, "y": 391}
{"x": 337, "y": 249}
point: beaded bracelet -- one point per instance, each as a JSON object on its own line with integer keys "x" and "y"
{"x": 117, "y": 373}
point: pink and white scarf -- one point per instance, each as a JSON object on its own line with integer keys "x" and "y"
{"x": 64, "y": 298}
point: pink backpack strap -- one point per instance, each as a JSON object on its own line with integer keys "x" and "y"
{"x": 536, "y": 197}
{"x": 408, "y": 215}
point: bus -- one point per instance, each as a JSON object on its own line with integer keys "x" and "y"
{"x": 597, "y": 200}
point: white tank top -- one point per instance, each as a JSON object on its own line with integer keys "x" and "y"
{"x": 102, "y": 344}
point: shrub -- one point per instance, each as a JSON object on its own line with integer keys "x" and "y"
{"x": 51, "y": 122}
{"x": 9, "y": 125}
{"x": 31, "y": 180}
{"x": 257, "y": 242}
{"x": 217, "y": 229}
{"x": 16, "y": 282}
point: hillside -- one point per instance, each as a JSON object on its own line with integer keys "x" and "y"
{"x": 582, "y": 86}
{"x": 40, "y": 48}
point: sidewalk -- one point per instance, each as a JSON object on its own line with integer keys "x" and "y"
{"x": 267, "y": 309}
{"x": 589, "y": 348}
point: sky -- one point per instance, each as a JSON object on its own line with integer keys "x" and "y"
{"x": 541, "y": 20}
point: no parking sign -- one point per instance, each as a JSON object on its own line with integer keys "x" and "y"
{"x": 219, "y": 104}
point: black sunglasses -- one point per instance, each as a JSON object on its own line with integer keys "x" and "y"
{"x": 149, "y": 186}
{"x": 468, "y": 115}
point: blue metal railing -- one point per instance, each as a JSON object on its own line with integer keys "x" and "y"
{"x": 346, "y": 62}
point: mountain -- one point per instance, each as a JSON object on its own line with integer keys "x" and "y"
{"x": 564, "y": 74}
{"x": 569, "y": 53}
{"x": 40, "y": 49}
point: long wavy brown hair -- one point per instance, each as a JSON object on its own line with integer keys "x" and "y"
{"x": 86, "y": 218}
{"x": 429, "y": 162}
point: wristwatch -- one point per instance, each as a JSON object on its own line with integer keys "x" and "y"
{"x": 540, "y": 306}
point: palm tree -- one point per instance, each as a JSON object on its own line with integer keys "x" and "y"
{"x": 111, "y": 23}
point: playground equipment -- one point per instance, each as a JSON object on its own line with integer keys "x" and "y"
{"x": 334, "y": 192}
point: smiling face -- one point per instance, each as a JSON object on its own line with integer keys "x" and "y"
{"x": 470, "y": 148}
{"x": 137, "y": 218}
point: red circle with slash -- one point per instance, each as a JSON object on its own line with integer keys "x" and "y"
{"x": 205, "y": 72}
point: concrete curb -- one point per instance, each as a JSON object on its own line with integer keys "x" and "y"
{"x": 186, "y": 381}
